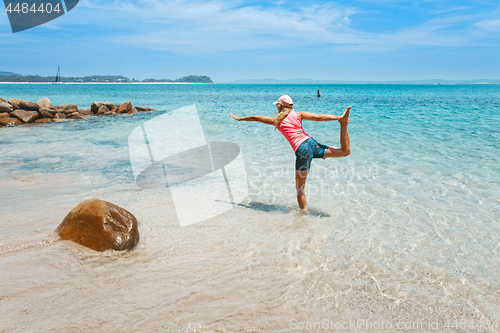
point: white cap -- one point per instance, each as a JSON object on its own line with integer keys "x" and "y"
{"x": 285, "y": 98}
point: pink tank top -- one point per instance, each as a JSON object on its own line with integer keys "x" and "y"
{"x": 291, "y": 128}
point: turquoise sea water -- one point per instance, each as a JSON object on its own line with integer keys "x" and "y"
{"x": 406, "y": 229}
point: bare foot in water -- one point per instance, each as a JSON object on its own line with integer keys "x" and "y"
{"x": 344, "y": 119}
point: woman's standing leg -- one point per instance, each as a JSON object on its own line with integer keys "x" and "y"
{"x": 300, "y": 184}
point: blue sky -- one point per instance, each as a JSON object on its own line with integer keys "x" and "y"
{"x": 230, "y": 40}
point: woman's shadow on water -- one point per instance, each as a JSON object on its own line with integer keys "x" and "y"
{"x": 263, "y": 207}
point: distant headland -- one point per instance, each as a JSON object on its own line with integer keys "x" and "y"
{"x": 18, "y": 78}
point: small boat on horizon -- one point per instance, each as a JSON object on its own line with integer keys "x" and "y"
{"x": 58, "y": 76}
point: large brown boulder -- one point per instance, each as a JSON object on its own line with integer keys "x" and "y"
{"x": 25, "y": 116}
{"x": 45, "y": 103}
{"x": 96, "y": 105}
{"x": 59, "y": 115}
{"x": 2, "y": 100}
{"x": 46, "y": 112}
{"x": 14, "y": 102}
{"x": 102, "y": 110}
{"x": 100, "y": 225}
{"x": 6, "y": 107}
{"x": 7, "y": 121}
{"x": 67, "y": 108}
{"x": 126, "y": 108}
{"x": 28, "y": 106}
{"x": 75, "y": 115}
{"x": 4, "y": 115}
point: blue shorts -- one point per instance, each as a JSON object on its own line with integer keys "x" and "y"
{"x": 308, "y": 150}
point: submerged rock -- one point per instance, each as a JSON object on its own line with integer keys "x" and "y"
{"x": 43, "y": 120}
{"x": 100, "y": 225}
{"x": 143, "y": 108}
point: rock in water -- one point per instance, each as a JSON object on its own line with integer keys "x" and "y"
{"x": 67, "y": 108}
{"x": 102, "y": 110}
{"x": 59, "y": 115}
{"x": 7, "y": 121}
{"x": 125, "y": 108}
{"x": 28, "y": 106}
{"x": 6, "y": 107}
{"x": 96, "y": 105}
{"x": 25, "y": 116}
{"x": 45, "y": 112}
{"x": 45, "y": 103}
{"x": 100, "y": 225}
{"x": 85, "y": 112}
{"x": 14, "y": 102}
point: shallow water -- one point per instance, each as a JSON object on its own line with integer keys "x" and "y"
{"x": 405, "y": 230}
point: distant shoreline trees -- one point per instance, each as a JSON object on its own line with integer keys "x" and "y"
{"x": 15, "y": 78}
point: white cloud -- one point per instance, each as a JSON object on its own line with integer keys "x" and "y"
{"x": 489, "y": 25}
{"x": 213, "y": 26}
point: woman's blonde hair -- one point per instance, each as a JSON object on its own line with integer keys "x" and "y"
{"x": 283, "y": 111}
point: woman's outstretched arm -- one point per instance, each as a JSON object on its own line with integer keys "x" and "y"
{"x": 261, "y": 119}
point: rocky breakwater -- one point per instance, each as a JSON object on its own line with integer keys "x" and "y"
{"x": 18, "y": 112}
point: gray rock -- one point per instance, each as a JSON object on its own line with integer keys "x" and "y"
{"x": 110, "y": 113}
{"x": 6, "y": 107}
{"x": 45, "y": 103}
{"x": 25, "y": 116}
{"x": 46, "y": 113}
{"x": 96, "y": 105}
{"x": 102, "y": 110}
{"x": 67, "y": 108}
{"x": 28, "y": 106}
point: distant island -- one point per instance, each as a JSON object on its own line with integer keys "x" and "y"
{"x": 310, "y": 81}
{"x": 15, "y": 78}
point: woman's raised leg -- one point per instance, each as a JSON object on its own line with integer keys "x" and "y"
{"x": 345, "y": 142}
